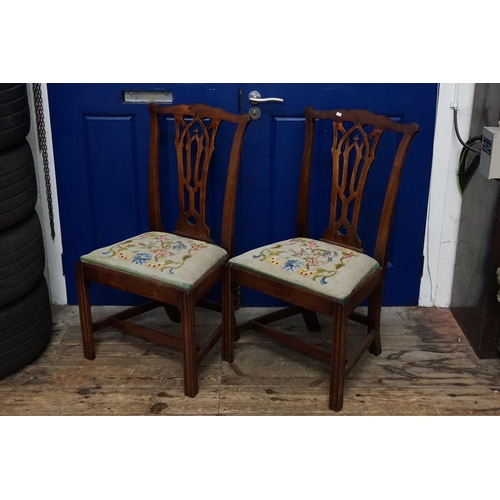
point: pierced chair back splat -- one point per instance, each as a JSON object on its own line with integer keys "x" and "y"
{"x": 172, "y": 269}
{"x": 332, "y": 275}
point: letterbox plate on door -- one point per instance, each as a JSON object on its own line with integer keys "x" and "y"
{"x": 146, "y": 96}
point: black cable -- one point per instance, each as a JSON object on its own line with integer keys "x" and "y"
{"x": 455, "y": 112}
{"x": 463, "y": 174}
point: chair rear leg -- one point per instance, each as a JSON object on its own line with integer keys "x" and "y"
{"x": 173, "y": 313}
{"x": 311, "y": 321}
{"x": 228, "y": 317}
{"x": 374, "y": 313}
{"x": 236, "y": 294}
{"x": 189, "y": 349}
{"x": 338, "y": 358}
{"x": 85, "y": 311}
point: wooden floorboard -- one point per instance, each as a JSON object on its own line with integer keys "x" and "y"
{"x": 427, "y": 367}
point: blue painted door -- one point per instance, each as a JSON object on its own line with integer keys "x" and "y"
{"x": 101, "y": 157}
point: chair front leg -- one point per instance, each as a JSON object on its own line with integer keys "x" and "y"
{"x": 228, "y": 318}
{"x": 338, "y": 357}
{"x": 83, "y": 286}
{"x": 189, "y": 349}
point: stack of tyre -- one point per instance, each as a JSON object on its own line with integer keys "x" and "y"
{"x": 25, "y": 314}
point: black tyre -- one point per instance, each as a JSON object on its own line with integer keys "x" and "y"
{"x": 18, "y": 190}
{"x": 22, "y": 258}
{"x": 25, "y": 329}
{"x": 14, "y": 114}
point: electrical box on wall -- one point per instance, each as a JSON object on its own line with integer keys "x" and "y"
{"x": 489, "y": 163}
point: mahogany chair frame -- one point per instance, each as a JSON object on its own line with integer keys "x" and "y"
{"x": 178, "y": 303}
{"x": 308, "y": 302}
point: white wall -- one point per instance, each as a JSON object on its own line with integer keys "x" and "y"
{"x": 443, "y": 210}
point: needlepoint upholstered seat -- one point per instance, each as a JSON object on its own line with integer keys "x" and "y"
{"x": 319, "y": 266}
{"x": 164, "y": 257}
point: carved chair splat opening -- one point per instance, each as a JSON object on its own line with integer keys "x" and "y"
{"x": 353, "y": 151}
{"x": 195, "y": 144}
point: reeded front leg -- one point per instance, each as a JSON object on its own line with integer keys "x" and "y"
{"x": 82, "y": 286}
{"x": 374, "y": 312}
{"x": 189, "y": 349}
{"x": 337, "y": 363}
{"x": 228, "y": 320}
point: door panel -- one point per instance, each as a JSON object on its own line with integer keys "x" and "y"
{"x": 101, "y": 157}
{"x": 106, "y": 205}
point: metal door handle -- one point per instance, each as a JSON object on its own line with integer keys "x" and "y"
{"x": 255, "y": 98}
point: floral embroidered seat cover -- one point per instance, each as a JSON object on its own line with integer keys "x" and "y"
{"x": 317, "y": 265}
{"x": 165, "y": 257}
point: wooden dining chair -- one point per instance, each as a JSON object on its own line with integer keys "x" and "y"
{"x": 332, "y": 275}
{"x": 171, "y": 269}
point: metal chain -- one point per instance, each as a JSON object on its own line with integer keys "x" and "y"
{"x": 42, "y": 146}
